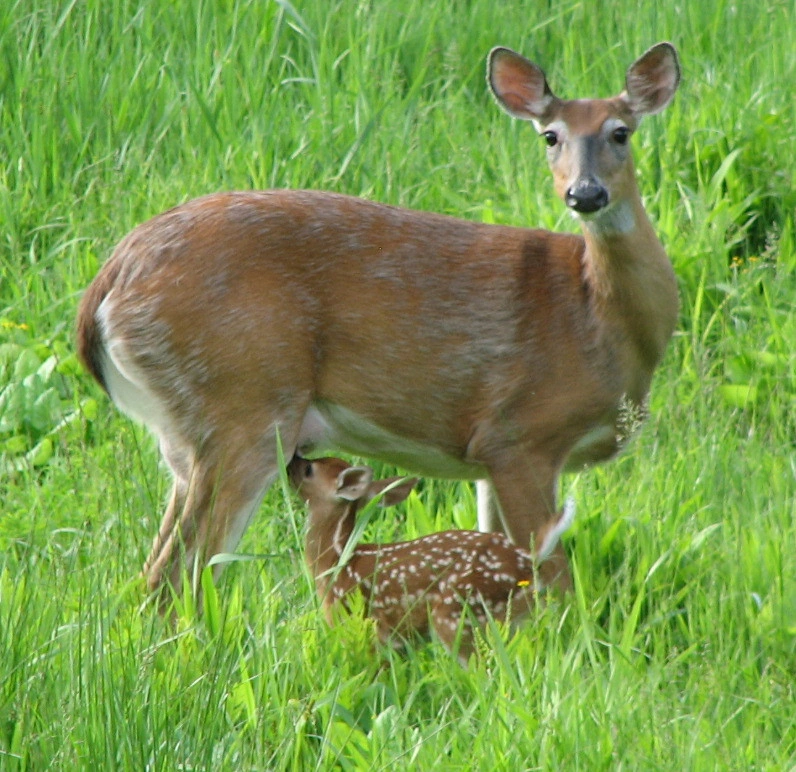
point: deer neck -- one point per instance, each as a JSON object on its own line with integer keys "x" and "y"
{"x": 632, "y": 283}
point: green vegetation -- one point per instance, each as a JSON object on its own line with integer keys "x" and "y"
{"x": 678, "y": 650}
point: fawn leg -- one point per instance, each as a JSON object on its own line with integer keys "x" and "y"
{"x": 452, "y": 626}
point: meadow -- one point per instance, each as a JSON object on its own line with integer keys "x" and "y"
{"x": 677, "y": 650}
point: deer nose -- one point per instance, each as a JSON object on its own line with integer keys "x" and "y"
{"x": 586, "y": 196}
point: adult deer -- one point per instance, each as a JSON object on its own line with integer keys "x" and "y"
{"x": 452, "y": 348}
{"x": 446, "y": 581}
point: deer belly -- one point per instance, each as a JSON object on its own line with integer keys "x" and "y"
{"x": 327, "y": 426}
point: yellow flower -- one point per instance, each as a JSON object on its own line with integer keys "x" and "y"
{"x": 9, "y": 325}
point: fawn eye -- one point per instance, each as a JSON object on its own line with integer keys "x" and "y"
{"x": 308, "y": 470}
{"x": 621, "y": 135}
{"x": 550, "y": 138}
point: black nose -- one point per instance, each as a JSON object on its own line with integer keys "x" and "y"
{"x": 586, "y": 196}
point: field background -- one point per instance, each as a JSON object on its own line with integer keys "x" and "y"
{"x": 678, "y": 650}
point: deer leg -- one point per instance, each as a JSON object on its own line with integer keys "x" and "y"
{"x": 490, "y": 517}
{"x": 209, "y": 514}
{"x": 452, "y": 626}
{"x": 218, "y": 507}
{"x": 162, "y": 541}
{"x": 525, "y": 486}
{"x": 179, "y": 460}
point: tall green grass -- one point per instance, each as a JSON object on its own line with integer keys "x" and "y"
{"x": 678, "y": 649}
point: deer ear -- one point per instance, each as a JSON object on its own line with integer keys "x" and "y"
{"x": 519, "y": 85}
{"x": 651, "y": 80}
{"x": 353, "y": 482}
{"x": 395, "y": 495}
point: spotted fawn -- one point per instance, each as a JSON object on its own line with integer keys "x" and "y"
{"x": 414, "y": 587}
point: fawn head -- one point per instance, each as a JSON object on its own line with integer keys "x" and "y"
{"x": 329, "y": 485}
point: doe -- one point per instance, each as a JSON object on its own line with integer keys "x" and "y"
{"x": 446, "y": 581}
{"x": 452, "y": 348}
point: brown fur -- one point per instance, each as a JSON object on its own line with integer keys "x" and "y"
{"x": 455, "y": 348}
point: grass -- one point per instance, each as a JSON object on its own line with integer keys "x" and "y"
{"x": 678, "y": 649}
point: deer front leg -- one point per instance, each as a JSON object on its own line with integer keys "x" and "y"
{"x": 525, "y": 487}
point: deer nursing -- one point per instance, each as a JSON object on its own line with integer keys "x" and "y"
{"x": 452, "y": 348}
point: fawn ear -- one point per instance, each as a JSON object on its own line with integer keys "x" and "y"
{"x": 395, "y": 495}
{"x": 353, "y": 483}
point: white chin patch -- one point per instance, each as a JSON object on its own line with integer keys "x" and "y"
{"x": 614, "y": 218}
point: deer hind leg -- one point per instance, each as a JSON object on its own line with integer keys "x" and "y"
{"x": 525, "y": 486}
{"x": 180, "y": 462}
{"x": 211, "y": 507}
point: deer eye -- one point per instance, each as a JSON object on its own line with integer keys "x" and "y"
{"x": 550, "y": 138}
{"x": 308, "y": 469}
{"x": 621, "y": 135}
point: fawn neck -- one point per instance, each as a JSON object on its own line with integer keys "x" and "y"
{"x": 327, "y": 536}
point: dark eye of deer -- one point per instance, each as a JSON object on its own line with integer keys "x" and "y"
{"x": 551, "y": 138}
{"x": 621, "y": 135}
{"x": 308, "y": 470}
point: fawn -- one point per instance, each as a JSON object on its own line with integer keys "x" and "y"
{"x": 446, "y": 581}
